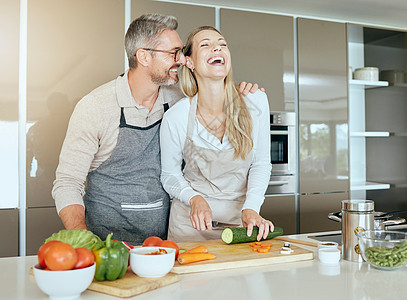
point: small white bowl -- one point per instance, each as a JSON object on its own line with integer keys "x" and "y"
{"x": 151, "y": 266}
{"x": 64, "y": 285}
{"x": 326, "y": 244}
{"x": 329, "y": 255}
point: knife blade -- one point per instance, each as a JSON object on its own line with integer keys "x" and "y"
{"x": 220, "y": 226}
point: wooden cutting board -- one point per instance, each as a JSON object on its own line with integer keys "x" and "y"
{"x": 239, "y": 256}
{"x": 131, "y": 284}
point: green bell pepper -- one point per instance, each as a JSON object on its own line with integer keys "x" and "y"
{"x": 111, "y": 260}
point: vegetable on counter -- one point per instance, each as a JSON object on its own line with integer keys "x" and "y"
{"x": 77, "y": 238}
{"x": 111, "y": 260}
{"x": 186, "y": 258}
{"x": 152, "y": 241}
{"x": 239, "y": 235}
{"x": 387, "y": 257}
{"x": 198, "y": 253}
{"x": 198, "y": 249}
{"x": 60, "y": 257}
{"x": 85, "y": 258}
{"x": 155, "y": 241}
{"x": 43, "y": 251}
{"x": 260, "y": 247}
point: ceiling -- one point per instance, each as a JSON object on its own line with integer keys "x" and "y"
{"x": 384, "y": 13}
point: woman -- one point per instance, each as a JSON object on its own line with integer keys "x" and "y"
{"x": 224, "y": 141}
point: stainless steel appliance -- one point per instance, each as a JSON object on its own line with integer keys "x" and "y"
{"x": 283, "y": 153}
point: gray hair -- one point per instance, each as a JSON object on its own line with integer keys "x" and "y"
{"x": 143, "y": 33}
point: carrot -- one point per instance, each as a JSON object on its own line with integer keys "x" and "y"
{"x": 263, "y": 249}
{"x": 198, "y": 249}
{"x": 259, "y": 247}
{"x": 186, "y": 258}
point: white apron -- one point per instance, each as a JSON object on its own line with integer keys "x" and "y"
{"x": 219, "y": 178}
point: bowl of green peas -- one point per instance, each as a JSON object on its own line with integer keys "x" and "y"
{"x": 386, "y": 250}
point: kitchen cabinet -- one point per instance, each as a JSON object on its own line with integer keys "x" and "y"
{"x": 41, "y": 224}
{"x": 9, "y": 58}
{"x": 262, "y": 48}
{"x": 314, "y": 210}
{"x": 71, "y": 51}
{"x": 280, "y": 210}
{"x": 9, "y": 232}
{"x": 377, "y": 114}
{"x": 323, "y": 121}
{"x": 189, "y": 16}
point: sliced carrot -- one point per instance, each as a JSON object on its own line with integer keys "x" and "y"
{"x": 263, "y": 249}
{"x": 260, "y": 247}
{"x": 198, "y": 249}
{"x": 186, "y": 258}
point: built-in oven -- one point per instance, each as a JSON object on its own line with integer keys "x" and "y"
{"x": 283, "y": 153}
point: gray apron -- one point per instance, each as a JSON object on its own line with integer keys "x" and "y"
{"x": 124, "y": 195}
{"x": 219, "y": 178}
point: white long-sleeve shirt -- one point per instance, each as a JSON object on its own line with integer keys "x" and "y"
{"x": 172, "y": 139}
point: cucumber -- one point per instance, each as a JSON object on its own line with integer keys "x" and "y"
{"x": 239, "y": 235}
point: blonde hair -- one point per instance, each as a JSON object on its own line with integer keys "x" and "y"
{"x": 239, "y": 125}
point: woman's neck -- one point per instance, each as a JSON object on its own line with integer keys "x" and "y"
{"x": 211, "y": 96}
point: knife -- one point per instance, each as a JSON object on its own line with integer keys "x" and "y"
{"x": 220, "y": 226}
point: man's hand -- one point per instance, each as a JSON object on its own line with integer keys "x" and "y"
{"x": 73, "y": 217}
{"x": 246, "y": 87}
{"x": 201, "y": 213}
{"x": 251, "y": 218}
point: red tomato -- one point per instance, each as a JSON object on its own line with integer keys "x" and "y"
{"x": 43, "y": 250}
{"x": 152, "y": 241}
{"x": 171, "y": 244}
{"x": 61, "y": 256}
{"x": 85, "y": 258}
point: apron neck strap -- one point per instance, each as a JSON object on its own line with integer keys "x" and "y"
{"x": 191, "y": 116}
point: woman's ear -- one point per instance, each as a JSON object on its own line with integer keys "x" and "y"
{"x": 143, "y": 57}
{"x": 190, "y": 64}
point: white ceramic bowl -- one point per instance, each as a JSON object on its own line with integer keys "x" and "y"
{"x": 64, "y": 285}
{"x": 152, "y": 266}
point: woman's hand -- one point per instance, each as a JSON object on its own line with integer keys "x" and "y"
{"x": 246, "y": 87}
{"x": 201, "y": 213}
{"x": 251, "y": 218}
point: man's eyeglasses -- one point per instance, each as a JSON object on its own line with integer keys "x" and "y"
{"x": 176, "y": 53}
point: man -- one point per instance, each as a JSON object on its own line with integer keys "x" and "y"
{"x": 112, "y": 141}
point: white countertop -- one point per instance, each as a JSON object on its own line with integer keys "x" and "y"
{"x": 299, "y": 280}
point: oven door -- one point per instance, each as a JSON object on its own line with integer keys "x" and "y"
{"x": 284, "y": 184}
{"x": 279, "y": 148}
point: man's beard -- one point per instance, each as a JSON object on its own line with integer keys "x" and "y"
{"x": 165, "y": 79}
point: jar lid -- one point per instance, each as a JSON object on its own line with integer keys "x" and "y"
{"x": 358, "y": 205}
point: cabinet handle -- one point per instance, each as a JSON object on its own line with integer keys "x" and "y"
{"x": 273, "y": 183}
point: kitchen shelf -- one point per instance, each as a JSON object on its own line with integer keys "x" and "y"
{"x": 370, "y": 134}
{"x": 368, "y": 84}
{"x": 369, "y": 185}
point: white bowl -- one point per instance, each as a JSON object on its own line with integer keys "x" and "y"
{"x": 326, "y": 244}
{"x": 151, "y": 266}
{"x": 64, "y": 285}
